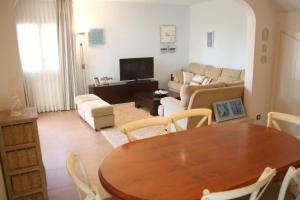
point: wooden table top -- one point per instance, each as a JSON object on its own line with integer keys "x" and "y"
{"x": 181, "y": 165}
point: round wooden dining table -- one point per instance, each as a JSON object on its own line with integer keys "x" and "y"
{"x": 181, "y": 165}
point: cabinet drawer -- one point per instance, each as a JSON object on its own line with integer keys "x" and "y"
{"x": 18, "y": 134}
{"x": 22, "y": 158}
{"x": 27, "y": 182}
{"x": 38, "y": 196}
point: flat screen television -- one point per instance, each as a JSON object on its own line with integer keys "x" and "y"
{"x": 136, "y": 68}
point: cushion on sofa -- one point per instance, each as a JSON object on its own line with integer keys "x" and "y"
{"x": 180, "y": 76}
{"x": 213, "y": 72}
{"x": 186, "y": 91}
{"x": 235, "y": 83}
{"x": 187, "y": 77}
{"x": 175, "y": 77}
{"x": 198, "y": 78}
{"x": 98, "y": 108}
{"x": 196, "y": 68}
{"x": 175, "y": 87}
{"x": 229, "y": 75}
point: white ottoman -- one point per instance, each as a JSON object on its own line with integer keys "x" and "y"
{"x": 79, "y": 100}
{"x": 98, "y": 114}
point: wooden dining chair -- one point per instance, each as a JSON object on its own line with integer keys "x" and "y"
{"x": 255, "y": 190}
{"x": 83, "y": 186}
{"x": 204, "y": 114}
{"x": 163, "y": 124}
{"x": 273, "y": 117}
{"x": 292, "y": 177}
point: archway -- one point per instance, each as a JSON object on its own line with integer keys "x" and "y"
{"x": 249, "y": 74}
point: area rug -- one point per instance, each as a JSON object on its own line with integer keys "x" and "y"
{"x": 125, "y": 113}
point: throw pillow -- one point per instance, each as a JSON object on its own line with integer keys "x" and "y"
{"x": 180, "y": 76}
{"x": 198, "y": 78}
{"x": 187, "y": 77}
{"x": 175, "y": 77}
{"x": 207, "y": 81}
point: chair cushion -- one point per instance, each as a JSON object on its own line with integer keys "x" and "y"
{"x": 213, "y": 72}
{"x": 197, "y": 68}
{"x": 84, "y": 98}
{"x": 97, "y": 108}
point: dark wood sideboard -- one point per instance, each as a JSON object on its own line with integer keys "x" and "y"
{"x": 122, "y": 92}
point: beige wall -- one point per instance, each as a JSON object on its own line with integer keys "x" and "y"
{"x": 10, "y": 74}
{"x": 259, "y": 76}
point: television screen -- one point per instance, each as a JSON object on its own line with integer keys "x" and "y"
{"x": 136, "y": 68}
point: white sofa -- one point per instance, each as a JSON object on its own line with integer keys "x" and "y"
{"x": 96, "y": 112}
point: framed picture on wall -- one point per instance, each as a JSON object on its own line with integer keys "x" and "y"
{"x": 210, "y": 39}
{"x": 168, "y": 34}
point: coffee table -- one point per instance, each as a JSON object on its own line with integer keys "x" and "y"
{"x": 151, "y": 102}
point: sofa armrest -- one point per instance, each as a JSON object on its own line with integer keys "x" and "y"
{"x": 171, "y": 106}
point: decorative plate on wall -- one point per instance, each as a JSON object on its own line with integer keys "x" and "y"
{"x": 167, "y": 34}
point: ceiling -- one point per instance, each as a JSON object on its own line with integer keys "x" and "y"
{"x": 283, "y": 5}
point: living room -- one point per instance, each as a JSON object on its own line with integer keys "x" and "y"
{"x": 255, "y": 42}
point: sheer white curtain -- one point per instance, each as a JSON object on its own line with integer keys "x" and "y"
{"x": 44, "y": 72}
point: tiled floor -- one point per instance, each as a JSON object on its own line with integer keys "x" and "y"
{"x": 64, "y": 132}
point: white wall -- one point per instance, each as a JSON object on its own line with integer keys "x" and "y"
{"x": 132, "y": 30}
{"x": 227, "y": 19}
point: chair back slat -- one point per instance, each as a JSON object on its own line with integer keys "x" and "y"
{"x": 255, "y": 190}
{"x": 292, "y": 174}
{"x": 273, "y": 117}
{"x": 83, "y": 185}
{"x": 204, "y": 113}
{"x": 129, "y": 128}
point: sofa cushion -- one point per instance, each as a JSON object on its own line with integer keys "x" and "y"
{"x": 197, "y": 68}
{"x": 180, "y": 76}
{"x": 187, "y": 77}
{"x": 231, "y": 74}
{"x": 97, "y": 108}
{"x": 175, "y": 77}
{"x": 198, "y": 78}
{"x": 235, "y": 83}
{"x": 187, "y": 91}
{"x": 213, "y": 72}
{"x": 174, "y": 86}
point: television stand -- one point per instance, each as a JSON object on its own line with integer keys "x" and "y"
{"x": 122, "y": 92}
{"x": 139, "y": 81}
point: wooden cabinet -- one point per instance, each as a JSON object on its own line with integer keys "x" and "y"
{"x": 122, "y": 92}
{"x": 21, "y": 158}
